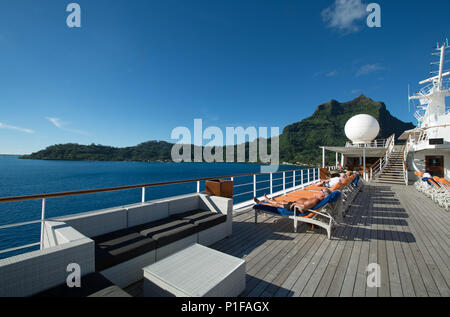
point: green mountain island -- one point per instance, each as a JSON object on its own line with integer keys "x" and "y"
{"x": 299, "y": 142}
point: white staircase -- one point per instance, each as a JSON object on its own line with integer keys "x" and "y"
{"x": 393, "y": 171}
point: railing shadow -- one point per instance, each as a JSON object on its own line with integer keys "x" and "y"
{"x": 372, "y": 212}
{"x": 263, "y": 288}
{"x": 368, "y": 234}
{"x": 256, "y": 235}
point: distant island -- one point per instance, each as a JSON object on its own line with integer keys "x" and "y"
{"x": 299, "y": 141}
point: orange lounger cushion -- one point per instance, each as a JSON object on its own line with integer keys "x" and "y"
{"x": 444, "y": 181}
{"x": 315, "y": 188}
{"x": 295, "y": 196}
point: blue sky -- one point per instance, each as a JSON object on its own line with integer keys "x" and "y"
{"x": 137, "y": 69}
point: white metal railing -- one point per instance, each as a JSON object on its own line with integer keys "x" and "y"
{"x": 275, "y": 186}
{"x": 426, "y": 89}
{"x": 288, "y": 182}
{"x": 374, "y": 144}
{"x": 405, "y": 157}
{"x": 422, "y": 139}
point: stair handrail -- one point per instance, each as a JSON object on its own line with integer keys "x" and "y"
{"x": 405, "y": 152}
{"x": 377, "y": 167}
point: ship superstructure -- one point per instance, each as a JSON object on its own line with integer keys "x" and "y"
{"x": 428, "y": 145}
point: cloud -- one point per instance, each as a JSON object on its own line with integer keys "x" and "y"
{"x": 331, "y": 74}
{"x": 368, "y": 69}
{"x": 57, "y": 122}
{"x": 326, "y": 73}
{"x": 61, "y": 125}
{"x": 344, "y": 15}
{"x": 14, "y": 128}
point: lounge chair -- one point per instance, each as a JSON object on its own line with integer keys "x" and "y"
{"x": 443, "y": 197}
{"x": 321, "y": 215}
{"x": 436, "y": 188}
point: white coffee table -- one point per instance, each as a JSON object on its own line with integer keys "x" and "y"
{"x": 196, "y": 271}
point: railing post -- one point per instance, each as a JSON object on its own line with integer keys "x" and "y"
{"x": 323, "y": 158}
{"x": 271, "y": 182}
{"x": 301, "y": 176}
{"x": 198, "y": 186}
{"x": 254, "y": 185}
{"x": 308, "y": 174}
{"x": 284, "y": 183}
{"x": 293, "y": 180}
{"x": 143, "y": 195}
{"x": 42, "y": 223}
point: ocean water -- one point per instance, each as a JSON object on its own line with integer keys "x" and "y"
{"x": 26, "y": 177}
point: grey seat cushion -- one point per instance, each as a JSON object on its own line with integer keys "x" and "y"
{"x": 120, "y": 246}
{"x": 210, "y": 221}
{"x": 194, "y": 215}
{"x": 168, "y": 236}
{"x": 117, "y": 247}
{"x": 92, "y": 285}
{"x": 203, "y": 219}
{"x": 167, "y": 230}
{"x": 152, "y": 228}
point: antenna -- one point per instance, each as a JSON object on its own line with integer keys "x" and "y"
{"x": 409, "y": 101}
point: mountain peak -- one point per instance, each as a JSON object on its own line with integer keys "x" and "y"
{"x": 300, "y": 141}
{"x": 362, "y": 98}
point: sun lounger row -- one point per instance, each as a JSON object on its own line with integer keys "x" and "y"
{"x": 349, "y": 188}
{"x": 436, "y": 188}
{"x": 325, "y": 213}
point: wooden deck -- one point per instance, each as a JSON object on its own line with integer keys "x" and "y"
{"x": 394, "y": 226}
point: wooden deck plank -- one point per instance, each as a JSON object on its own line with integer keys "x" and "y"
{"x": 272, "y": 265}
{"x": 382, "y": 229}
{"x": 320, "y": 272}
{"x": 405, "y": 277}
{"x": 428, "y": 280}
{"x": 361, "y": 275}
{"x": 429, "y": 256}
{"x": 392, "y": 266}
{"x": 341, "y": 268}
{"x": 432, "y": 216}
{"x": 285, "y": 288}
{"x": 426, "y": 230}
{"x": 347, "y": 239}
{"x": 352, "y": 269}
{"x": 347, "y": 269}
{"x": 260, "y": 265}
{"x": 373, "y": 248}
{"x": 291, "y": 262}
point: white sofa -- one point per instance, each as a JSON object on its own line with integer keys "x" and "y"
{"x": 97, "y": 223}
{"x": 71, "y": 239}
{"x": 30, "y": 273}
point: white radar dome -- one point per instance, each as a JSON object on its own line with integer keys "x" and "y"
{"x": 362, "y": 128}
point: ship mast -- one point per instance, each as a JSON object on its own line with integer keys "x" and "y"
{"x": 432, "y": 97}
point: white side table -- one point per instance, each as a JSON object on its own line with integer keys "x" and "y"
{"x": 196, "y": 271}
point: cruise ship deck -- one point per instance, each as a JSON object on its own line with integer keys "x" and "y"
{"x": 394, "y": 226}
